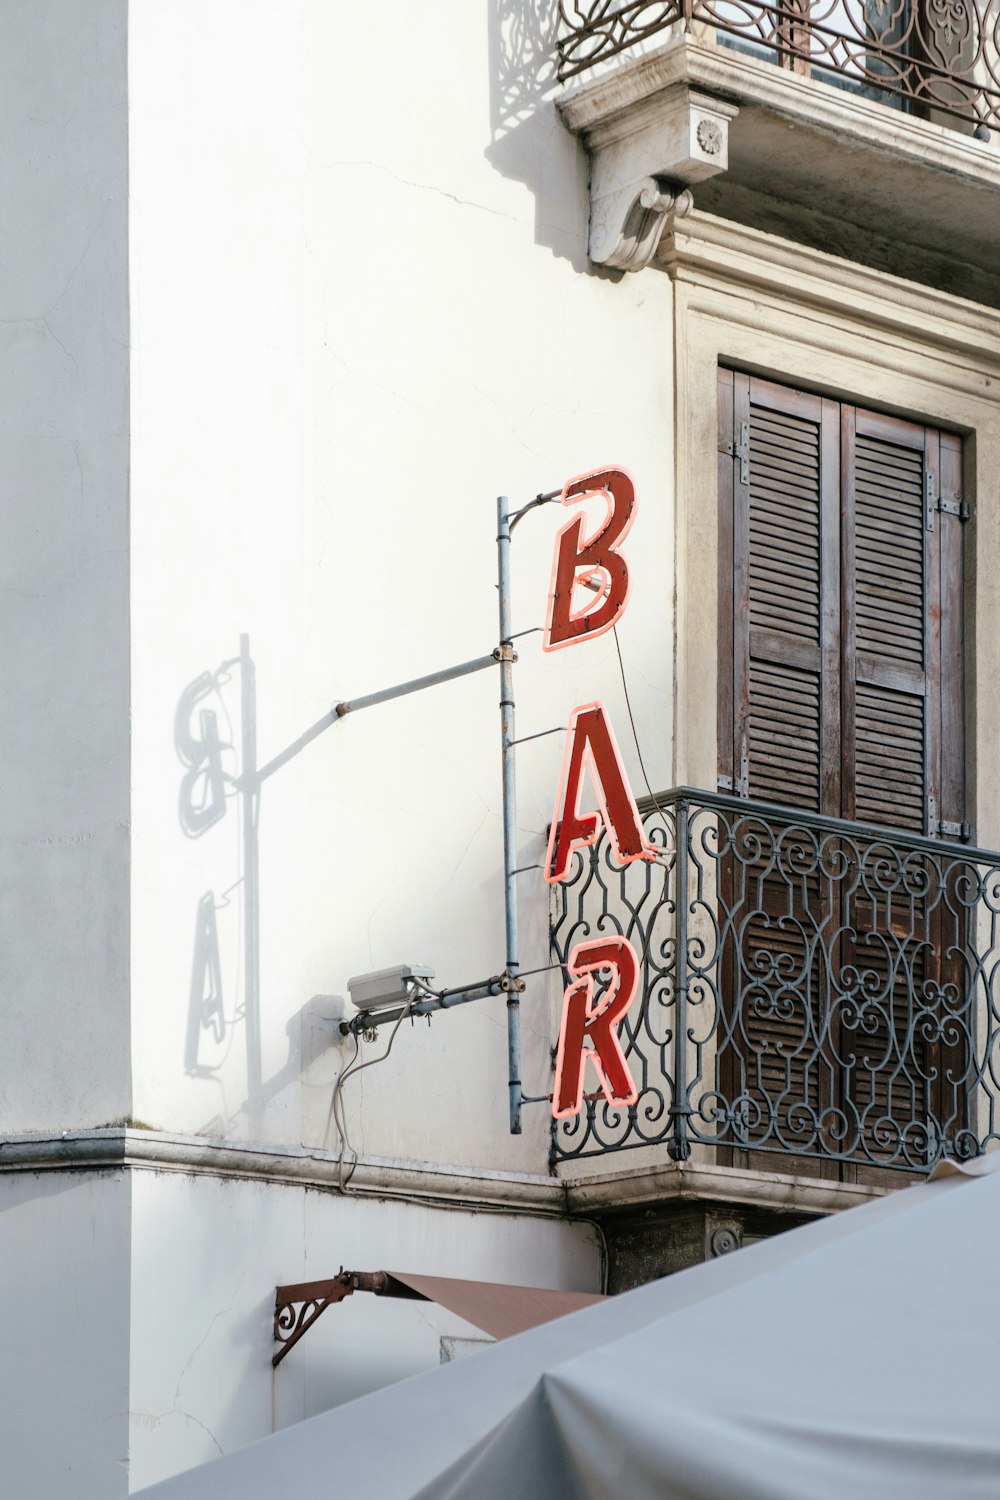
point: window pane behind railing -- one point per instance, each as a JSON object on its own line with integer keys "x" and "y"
{"x": 932, "y": 57}
{"x": 836, "y": 999}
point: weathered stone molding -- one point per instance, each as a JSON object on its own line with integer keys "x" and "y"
{"x": 116, "y": 1149}
{"x": 723, "y": 73}
{"x": 688, "y": 1182}
{"x": 634, "y": 244}
{"x": 152, "y": 1150}
{"x": 717, "y": 255}
{"x": 799, "y": 141}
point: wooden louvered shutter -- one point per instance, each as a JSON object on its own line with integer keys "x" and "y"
{"x": 900, "y": 553}
{"x": 840, "y": 609}
{"x": 841, "y": 692}
{"x": 780, "y": 723}
{"x": 779, "y": 737}
{"x": 891, "y": 645}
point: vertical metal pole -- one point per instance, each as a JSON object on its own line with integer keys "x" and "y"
{"x": 679, "y": 1148}
{"x": 250, "y": 797}
{"x": 509, "y": 814}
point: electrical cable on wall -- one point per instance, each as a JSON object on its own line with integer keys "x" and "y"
{"x": 337, "y": 1115}
{"x": 338, "y": 1118}
{"x": 635, "y": 736}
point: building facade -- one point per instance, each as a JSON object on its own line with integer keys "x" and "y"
{"x": 292, "y": 291}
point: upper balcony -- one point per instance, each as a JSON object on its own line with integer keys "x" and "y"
{"x": 868, "y": 128}
{"x": 938, "y": 59}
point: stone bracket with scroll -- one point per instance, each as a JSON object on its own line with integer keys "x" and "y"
{"x": 645, "y": 153}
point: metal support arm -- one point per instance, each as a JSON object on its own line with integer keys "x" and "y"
{"x": 508, "y": 982}
{"x": 500, "y": 984}
{"x": 417, "y": 684}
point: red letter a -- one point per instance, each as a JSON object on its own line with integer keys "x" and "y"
{"x": 605, "y": 570}
{"x": 591, "y": 745}
{"x": 582, "y": 1020}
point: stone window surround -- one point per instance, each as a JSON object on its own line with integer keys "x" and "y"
{"x": 801, "y": 317}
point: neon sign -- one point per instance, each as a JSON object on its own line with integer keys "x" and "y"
{"x": 591, "y": 746}
{"x": 591, "y": 749}
{"x": 605, "y": 571}
{"x": 584, "y": 1020}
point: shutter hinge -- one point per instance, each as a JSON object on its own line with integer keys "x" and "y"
{"x": 740, "y": 450}
{"x": 739, "y": 786}
{"x": 943, "y": 827}
{"x": 938, "y": 503}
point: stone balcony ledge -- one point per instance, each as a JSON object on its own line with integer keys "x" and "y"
{"x": 787, "y": 154}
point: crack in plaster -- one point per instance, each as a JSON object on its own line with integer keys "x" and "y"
{"x": 461, "y": 858}
{"x": 151, "y": 1420}
{"x": 224, "y": 1313}
{"x": 425, "y": 187}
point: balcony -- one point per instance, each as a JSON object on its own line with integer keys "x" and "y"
{"x": 855, "y": 127}
{"x": 936, "y": 57}
{"x": 819, "y": 997}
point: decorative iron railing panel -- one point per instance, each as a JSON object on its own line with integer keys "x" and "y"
{"x": 922, "y": 55}
{"x": 811, "y": 988}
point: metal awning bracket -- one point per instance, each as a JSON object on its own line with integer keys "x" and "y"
{"x": 499, "y": 1310}
{"x": 296, "y": 1307}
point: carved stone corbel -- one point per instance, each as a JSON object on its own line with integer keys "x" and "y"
{"x": 634, "y": 245}
{"x": 645, "y": 149}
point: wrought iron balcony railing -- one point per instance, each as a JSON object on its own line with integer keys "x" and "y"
{"x": 921, "y": 55}
{"x": 812, "y": 988}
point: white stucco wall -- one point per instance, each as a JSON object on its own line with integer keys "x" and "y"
{"x": 64, "y": 612}
{"x": 206, "y": 1257}
{"x": 279, "y": 330}
{"x": 64, "y": 1248}
{"x": 360, "y": 309}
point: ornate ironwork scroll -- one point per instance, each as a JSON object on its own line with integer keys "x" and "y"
{"x": 812, "y": 988}
{"x": 296, "y": 1308}
{"x": 921, "y": 55}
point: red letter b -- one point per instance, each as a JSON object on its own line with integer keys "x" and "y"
{"x": 605, "y": 570}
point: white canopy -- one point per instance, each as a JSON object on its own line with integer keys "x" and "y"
{"x": 857, "y": 1357}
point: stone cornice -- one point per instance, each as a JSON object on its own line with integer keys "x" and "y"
{"x": 668, "y": 1182}
{"x": 786, "y": 149}
{"x": 728, "y": 74}
{"x": 158, "y": 1151}
{"x": 706, "y": 250}
{"x": 117, "y": 1149}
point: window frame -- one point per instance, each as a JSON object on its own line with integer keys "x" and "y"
{"x": 839, "y": 660}
{"x": 799, "y": 316}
